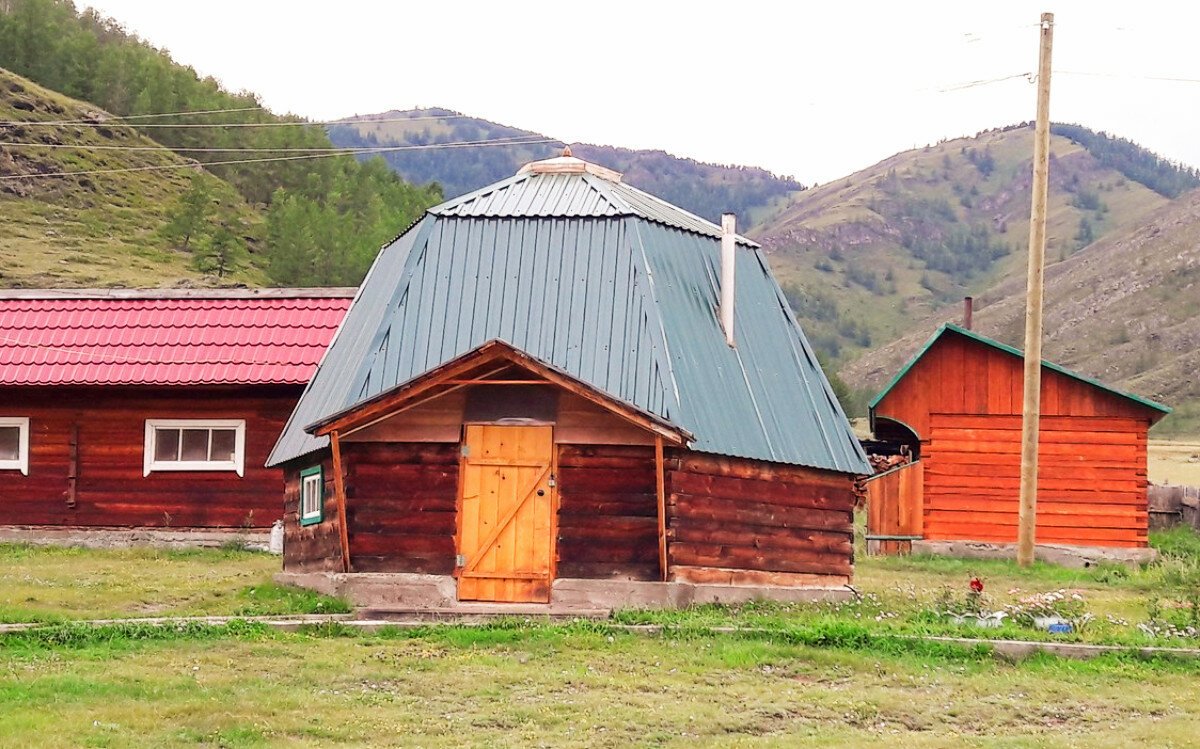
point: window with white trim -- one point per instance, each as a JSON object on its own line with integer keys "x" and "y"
{"x": 14, "y": 444}
{"x": 312, "y": 495}
{"x": 195, "y": 445}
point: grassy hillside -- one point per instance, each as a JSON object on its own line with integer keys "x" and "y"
{"x": 1125, "y": 310}
{"x": 867, "y": 256}
{"x": 94, "y": 230}
{"x": 705, "y": 189}
{"x": 325, "y": 215}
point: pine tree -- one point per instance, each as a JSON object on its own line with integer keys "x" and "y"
{"x": 222, "y": 253}
{"x": 189, "y": 215}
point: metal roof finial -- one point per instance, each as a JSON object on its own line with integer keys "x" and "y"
{"x": 566, "y": 151}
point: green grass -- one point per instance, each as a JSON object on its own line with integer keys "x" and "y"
{"x": 46, "y": 583}
{"x": 545, "y": 685}
{"x": 828, "y": 676}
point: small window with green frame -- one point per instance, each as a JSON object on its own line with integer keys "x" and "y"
{"x": 312, "y": 495}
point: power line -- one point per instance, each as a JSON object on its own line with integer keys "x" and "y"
{"x": 983, "y": 82}
{"x": 1168, "y": 79}
{"x": 352, "y": 149}
{"x": 303, "y": 123}
{"x": 169, "y": 167}
{"x": 112, "y": 118}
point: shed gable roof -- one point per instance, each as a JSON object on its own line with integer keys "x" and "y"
{"x": 165, "y": 338}
{"x": 952, "y": 329}
{"x": 567, "y": 269}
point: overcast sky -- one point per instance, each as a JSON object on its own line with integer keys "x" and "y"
{"x": 812, "y": 90}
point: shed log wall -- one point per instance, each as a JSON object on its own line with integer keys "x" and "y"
{"x": 963, "y": 401}
{"x": 961, "y": 376}
{"x": 608, "y": 516}
{"x": 1091, "y": 480}
{"x": 401, "y": 505}
{"x": 738, "y": 514}
{"x": 317, "y": 547}
{"x": 110, "y": 490}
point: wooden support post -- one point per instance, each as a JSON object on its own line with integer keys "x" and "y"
{"x": 1031, "y": 411}
{"x": 73, "y": 466}
{"x": 660, "y": 487}
{"x": 339, "y": 490}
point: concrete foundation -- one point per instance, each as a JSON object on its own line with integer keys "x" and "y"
{"x": 116, "y": 538}
{"x": 1061, "y": 554}
{"x": 382, "y": 592}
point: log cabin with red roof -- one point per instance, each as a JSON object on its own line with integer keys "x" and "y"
{"x": 956, "y": 408}
{"x": 151, "y": 410}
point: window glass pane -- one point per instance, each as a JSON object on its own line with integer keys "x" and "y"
{"x": 166, "y": 444}
{"x": 195, "y": 445}
{"x": 224, "y": 441}
{"x": 310, "y": 492}
{"x": 10, "y": 443}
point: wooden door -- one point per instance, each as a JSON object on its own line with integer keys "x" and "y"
{"x": 506, "y": 514}
{"x": 895, "y": 509}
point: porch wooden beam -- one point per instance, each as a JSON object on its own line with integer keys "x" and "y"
{"x": 660, "y": 488}
{"x": 339, "y": 491}
{"x": 497, "y": 382}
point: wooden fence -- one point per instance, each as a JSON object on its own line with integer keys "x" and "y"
{"x": 1174, "y": 505}
{"x": 895, "y": 509}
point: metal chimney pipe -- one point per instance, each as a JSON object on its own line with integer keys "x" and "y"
{"x": 728, "y": 244}
{"x": 968, "y": 311}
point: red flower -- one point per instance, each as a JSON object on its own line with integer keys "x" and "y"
{"x": 976, "y": 585}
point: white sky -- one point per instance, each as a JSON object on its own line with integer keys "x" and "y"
{"x": 816, "y": 90}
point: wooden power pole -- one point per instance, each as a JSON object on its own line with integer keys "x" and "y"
{"x": 1027, "y": 520}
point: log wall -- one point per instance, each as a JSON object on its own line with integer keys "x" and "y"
{"x": 738, "y": 514}
{"x": 110, "y": 490}
{"x": 608, "y": 512}
{"x": 317, "y": 547}
{"x": 963, "y": 400}
{"x": 401, "y": 506}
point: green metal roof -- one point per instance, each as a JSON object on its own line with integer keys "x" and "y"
{"x": 620, "y": 294}
{"x": 952, "y": 328}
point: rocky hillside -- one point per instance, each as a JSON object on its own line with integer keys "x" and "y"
{"x": 101, "y": 229}
{"x": 704, "y": 189}
{"x": 867, "y": 256}
{"x": 1125, "y": 310}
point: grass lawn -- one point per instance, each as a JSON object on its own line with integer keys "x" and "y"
{"x": 46, "y": 583}
{"x": 825, "y": 676}
{"x": 544, "y": 685}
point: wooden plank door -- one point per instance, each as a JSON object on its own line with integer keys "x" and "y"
{"x": 895, "y": 508}
{"x": 506, "y": 514}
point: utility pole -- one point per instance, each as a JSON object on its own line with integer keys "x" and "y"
{"x": 1027, "y": 519}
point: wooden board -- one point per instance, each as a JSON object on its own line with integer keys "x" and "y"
{"x": 1091, "y": 479}
{"x": 961, "y": 376}
{"x": 506, "y": 514}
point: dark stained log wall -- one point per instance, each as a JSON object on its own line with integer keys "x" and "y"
{"x": 733, "y": 513}
{"x": 608, "y": 517}
{"x": 317, "y": 547}
{"x": 401, "y": 505}
{"x": 111, "y": 490}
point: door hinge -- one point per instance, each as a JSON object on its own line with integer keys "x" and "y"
{"x": 466, "y": 451}
{"x": 460, "y": 560}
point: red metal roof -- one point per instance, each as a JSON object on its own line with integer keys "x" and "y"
{"x": 198, "y": 340}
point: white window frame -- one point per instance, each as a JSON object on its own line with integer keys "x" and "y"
{"x": 237, "y": 465}
{"x": 22, "y": 462}
{"x": 313, "y": 480}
